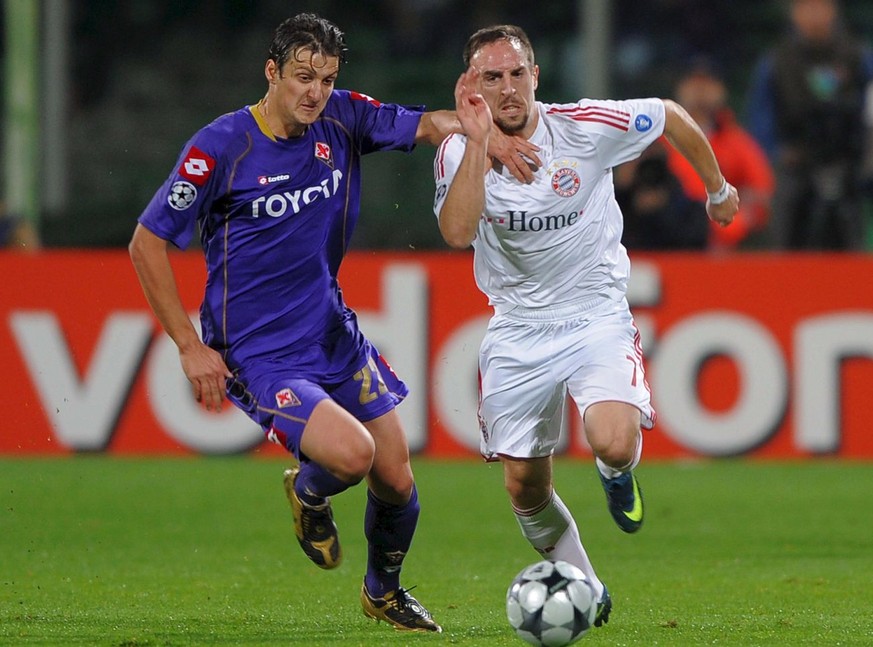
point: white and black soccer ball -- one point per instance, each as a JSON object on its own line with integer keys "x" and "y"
{"x": 551, "y": 604}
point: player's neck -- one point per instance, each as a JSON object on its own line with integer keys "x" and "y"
{"x": 277, "y": 126}
{"x": 529, "y": 128}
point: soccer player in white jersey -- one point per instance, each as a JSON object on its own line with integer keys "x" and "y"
{"x": 549, "y": 258}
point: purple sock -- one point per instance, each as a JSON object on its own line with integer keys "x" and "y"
{"x": 314, "y": 484}
{"x": 389, "y": 529}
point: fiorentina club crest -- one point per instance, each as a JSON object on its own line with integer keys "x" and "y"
{"x": 322, "y": 152}
{"x": 286, "y": 398}
{"x": 565, "y": 182}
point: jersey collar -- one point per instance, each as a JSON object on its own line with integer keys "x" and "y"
{"x": 261, "y": 121}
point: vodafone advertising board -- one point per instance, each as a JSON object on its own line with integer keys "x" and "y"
{"x": 762, "y": 355}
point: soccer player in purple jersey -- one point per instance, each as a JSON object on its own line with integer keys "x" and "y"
{"x": 275, "y": 189}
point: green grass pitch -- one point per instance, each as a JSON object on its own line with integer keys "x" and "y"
{"x": 127, "y": 552}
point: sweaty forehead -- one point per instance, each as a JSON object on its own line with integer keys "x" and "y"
{"x": 317, "y": 63}
{"x": 500, "y": 55}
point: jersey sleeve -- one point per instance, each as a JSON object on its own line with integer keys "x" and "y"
{"x": 619, "y": 130}
{"x": 445, "y": 165}
{"x": 185, "y": 195}
{"x": 381, "y": 126}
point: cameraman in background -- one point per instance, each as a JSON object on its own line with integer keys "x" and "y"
{"x": 807, "y": 109}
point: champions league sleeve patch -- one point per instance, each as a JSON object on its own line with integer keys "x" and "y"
{"x": 642, "y": 123}
{"x": 197, "y": 166}
{"x": 182, "y": 195}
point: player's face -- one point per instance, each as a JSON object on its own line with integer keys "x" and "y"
{"x": 302, "y": 89}
{"x": 508, "y": 82}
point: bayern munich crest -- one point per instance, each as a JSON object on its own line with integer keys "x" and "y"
{"x": 566, "y": 182}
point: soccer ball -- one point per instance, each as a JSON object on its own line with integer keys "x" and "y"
{"x": 551, "y": 604}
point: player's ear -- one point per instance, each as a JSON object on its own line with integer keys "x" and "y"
{"x": 536, "y": 76}
{"x": 271, "y": 71}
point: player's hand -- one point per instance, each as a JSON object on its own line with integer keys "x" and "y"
{"x": 473, "y": 113}
{"x": 207, "y": 372}
{"x": 517, "y": 154}
{"x": 724, "y": 213}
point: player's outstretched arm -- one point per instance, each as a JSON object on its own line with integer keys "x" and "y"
{"x": 203, "y": 367}
{"x": 687, "y": 137}
{"x": 515, "y": 153}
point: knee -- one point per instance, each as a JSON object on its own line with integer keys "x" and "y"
{"x": 613, "y": 431}
{"x": 396, "y": 487}
{"x": 354, "y": 458}
{"x": 406, "y": 493}
{"x": 617, "y": 448}
{"x": 404, "y": 485}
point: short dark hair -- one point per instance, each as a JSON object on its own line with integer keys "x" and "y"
{"x": 306, "y": 31}
{"x": 492, "y": 34}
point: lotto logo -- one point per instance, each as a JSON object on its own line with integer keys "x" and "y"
{"x": 263, "y": 180}
{"x": 197, "y": 166}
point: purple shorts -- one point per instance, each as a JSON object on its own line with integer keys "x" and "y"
{"x": 280, "y": 397}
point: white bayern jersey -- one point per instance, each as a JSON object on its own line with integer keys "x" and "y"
{"x": 557, "y": 240}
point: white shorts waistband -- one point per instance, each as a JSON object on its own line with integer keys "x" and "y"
{"x": 554, "y": 313}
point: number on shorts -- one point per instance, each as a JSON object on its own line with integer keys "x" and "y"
{"x": 365, "y": 377}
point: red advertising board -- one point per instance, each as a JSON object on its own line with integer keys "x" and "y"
{"x": 763, "y": 355}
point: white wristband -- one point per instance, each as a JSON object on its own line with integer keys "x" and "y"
{"x": 721, "y": 195}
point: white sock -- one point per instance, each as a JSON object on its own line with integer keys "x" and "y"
{"x": 550, "y": 529}
{"x": 613, "y": 472}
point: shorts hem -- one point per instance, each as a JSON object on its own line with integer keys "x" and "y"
{"x": 373, "y": 414}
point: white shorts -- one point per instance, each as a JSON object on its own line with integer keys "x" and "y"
{"x": 529, "y": 360}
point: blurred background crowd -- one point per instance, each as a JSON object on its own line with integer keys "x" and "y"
{"x": 782, "y": 88}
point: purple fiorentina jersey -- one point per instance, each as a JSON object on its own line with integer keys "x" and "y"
{"x": 275, "y": 217}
